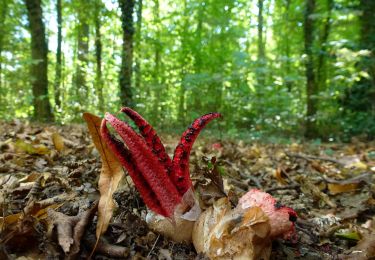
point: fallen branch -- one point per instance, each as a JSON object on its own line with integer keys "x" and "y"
{"x": 286, "y": 187}
{"x": 153, "y": 246}
{"x": 312, "y": 157}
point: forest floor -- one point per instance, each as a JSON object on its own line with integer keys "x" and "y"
{"x": 48, "y": 185}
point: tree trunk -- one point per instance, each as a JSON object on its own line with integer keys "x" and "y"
{"x": 183, "y": 61}
{"x": 39, "y": 51}
{"x": 81, "y": 87}
{"x": 198, "y": 61}
{"x": 157, "y": 60}
{"x": 181, "y": 104}
{"x": 126, "y": 70}
{"x": 287, "y": 81}
{"x": 137, "y": 67}
{"x": 98, "y": 55}
{"x": 58, "y": 56}
{"x": 261, "y": 63}
{"x": 361, "y": 96}
{"x": 311, "y": 89}
{"x": 3, "y": 12}
{"x": 261, "y": 46}
{"x": 368, "y": 42}
{"x": 321, "y": 66}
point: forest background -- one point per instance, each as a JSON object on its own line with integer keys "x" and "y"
{"x": 271, "y": 67}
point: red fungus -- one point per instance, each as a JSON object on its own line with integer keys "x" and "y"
{"x": 281, "y": 218}
{"x": 125, "y": 158}
{"x": 181, "y": 174}
{"x": 160, "y": 181}
{"x": 151, "y": 137}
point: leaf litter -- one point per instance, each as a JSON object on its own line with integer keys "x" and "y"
{"x": 49, "y": 191}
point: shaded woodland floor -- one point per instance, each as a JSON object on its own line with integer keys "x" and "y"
{"x": 49, "y": 174}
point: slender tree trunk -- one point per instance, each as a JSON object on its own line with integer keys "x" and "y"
{"x": 261, "y": 46}
{"x": 321, "y": 66}
{"x": 58, "y": 56}
{"x": 82, "y": 56}
{"x": 39, "y": 51}
{"x": 287, "y": 81}
{"x": 368, "y": 42}
{"x": 98, "y": 55}
{"x": 3, "y": 12}
{"x": 182, "y": 58}
{"x": 311, "y": 88}
{"x": 361, "y": 96}
{"x": 198, "y": 62}
{"x": 261, "y": 63}
{"x": 137, "y": 67}
{"x": 126, "y": 70}
{"x": 181, "y": 104}
{"x": 157, "y": 60}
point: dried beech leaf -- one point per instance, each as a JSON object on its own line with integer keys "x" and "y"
{"x": 280, "y": 176}
{"x": 58, "y": 142}
{"x": 9, "y": 220}
{"x": 348, "y": 185}
{"x": 21, "y": 226}
{"x": 110, "y": 175}
{"x": 30, "y": 178}
{"x": 31, "y": 149}
{"x": 316, "y": 165}
{"x": 335, "y": 188}
{"x": 309, "y": 187}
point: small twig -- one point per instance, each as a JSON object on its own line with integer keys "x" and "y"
{"x": 302, "y": 222}
{"x": 251, "y": 178}
{"x": 153, "y": 246}
{"x": 56, "y": 199}
{"x": 286, "y": 187}
{"x": 256, "y": 181}
{"x": 239, "y": 184}
{"x": 332, "y": 230}
{"x": 312, "y": 157}
{"x": 310, "y": 234}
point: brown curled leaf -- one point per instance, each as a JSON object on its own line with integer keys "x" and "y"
{"x": 110, "y": 174}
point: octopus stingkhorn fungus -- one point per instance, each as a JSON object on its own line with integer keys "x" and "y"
{"x": 161, "y": 182}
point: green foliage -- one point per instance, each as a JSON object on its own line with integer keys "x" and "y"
{"x": 199, "y": 56}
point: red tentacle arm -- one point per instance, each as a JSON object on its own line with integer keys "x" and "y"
{"x": 181, "y": 174}
{"x": 126, "y": 160}
{"x": 151, "y": 137}
{"x": 148, "y": 164}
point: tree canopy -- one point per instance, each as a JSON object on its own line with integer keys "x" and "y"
{"x": 286, "y": 67}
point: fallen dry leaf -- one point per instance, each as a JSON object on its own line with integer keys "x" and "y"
{"x": 280, "y": 176}
{"x": 309, "y": 187}
{"x": 348, "y": 185}
{"x": 70, "y": 229}
{"x": 21, "y": 225}
{"x": 31, "y": 149}
{"x": 336, "y": 188}
{"x": 110, "y": 175}
{"x": 58, "y": 141}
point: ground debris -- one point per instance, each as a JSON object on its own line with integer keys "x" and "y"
{"x": 49, "y": 177}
